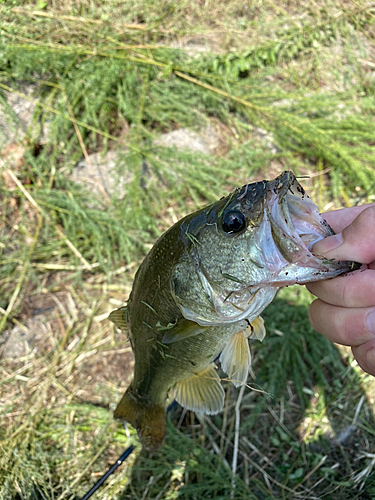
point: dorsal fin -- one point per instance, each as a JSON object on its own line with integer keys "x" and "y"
{"x": 201, "y": 392}
{"x": 118, "y": 317}
{"x": 236, "y": 358}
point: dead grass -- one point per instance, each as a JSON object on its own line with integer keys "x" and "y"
{"x": 306, "y": 430}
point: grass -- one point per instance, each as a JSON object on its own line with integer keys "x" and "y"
{"x": 279, "y": 85}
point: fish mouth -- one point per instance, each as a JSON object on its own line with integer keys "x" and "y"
{"x": 296, "y": 224}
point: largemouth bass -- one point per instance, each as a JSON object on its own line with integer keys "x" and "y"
{"x": 201, "y": 289}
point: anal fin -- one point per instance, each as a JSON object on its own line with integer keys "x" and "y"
{"x": 236, "y": 358}
{"x": 201, "y": 392}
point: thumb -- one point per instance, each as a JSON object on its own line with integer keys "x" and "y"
{"x": 356, "y": 242}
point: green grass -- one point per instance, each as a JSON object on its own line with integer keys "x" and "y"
{"x": 284, "y": 85}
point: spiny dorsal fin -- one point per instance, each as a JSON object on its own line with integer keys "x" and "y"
{"x": 258, "y": 329}
{"x": 202, "y": 392}
{"x": 118, "y": 317}
{"x": 236, "y": 358}
{"x": 183, "y": 329}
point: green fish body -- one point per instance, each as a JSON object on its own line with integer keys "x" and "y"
{"x": 199, "y": 293}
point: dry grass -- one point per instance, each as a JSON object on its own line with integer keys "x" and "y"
{"x": 131, "y": 71}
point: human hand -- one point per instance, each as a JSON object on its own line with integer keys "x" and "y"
{"x": 345, "y": 309}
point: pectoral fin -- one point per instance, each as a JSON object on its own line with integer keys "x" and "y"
{"x": 182, "y": 330}
{"x": 258, "y": 329}
{"x": 236, "y": 358}
{"x": 118, "y": 317}
{"x": 202, "y": 392}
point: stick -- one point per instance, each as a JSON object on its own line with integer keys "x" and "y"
{"x": 236, "y": 439}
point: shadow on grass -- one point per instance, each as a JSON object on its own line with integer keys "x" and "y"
{"x": 317, "y": 419}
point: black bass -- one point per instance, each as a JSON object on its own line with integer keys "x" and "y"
{"x": 199, "y": 292}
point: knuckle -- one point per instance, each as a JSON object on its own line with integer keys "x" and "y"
{"x": 346, "y": 293}
{"x": 366, "y": 219}
{"x": 361, "y": 355}
{"x": 359, "y": 237}
{"x": 338, "y": 329}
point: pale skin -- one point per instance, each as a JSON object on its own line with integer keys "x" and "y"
{"x": 344, "y": 311}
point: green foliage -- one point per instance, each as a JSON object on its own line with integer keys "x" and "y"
{"x": 287, "y": 86}
{"x": 189, "y": 472}
{"x": 289, "y": 43}
{"x": 296, "y": 352}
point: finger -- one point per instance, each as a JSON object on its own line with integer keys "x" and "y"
{"x": 352, "y": 290}
{"x": 365, "y": 356}
{"x": 356, "y": 241}
{"x": 351, "y": 327}
{"x": 339, "y": 219}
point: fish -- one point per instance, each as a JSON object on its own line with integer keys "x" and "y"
{"x": 199, "y": 293}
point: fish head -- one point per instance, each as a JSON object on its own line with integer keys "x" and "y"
{"x": 241, "y": 249}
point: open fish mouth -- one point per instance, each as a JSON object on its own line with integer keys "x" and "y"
{"x": 295, "y": 221}
{"x": 290, "y": 226}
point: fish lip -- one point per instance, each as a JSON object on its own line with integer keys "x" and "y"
{"x": 284, "y": 183}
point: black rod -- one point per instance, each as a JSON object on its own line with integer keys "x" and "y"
{"x": 110, "y": 471}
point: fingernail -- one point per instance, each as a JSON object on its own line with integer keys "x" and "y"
{"x": 370, "y": 322}
{"x": 370, "y": 359}
{"x": 328, "y": 244}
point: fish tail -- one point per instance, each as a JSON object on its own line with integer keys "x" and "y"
{"x": 148, "y": 419}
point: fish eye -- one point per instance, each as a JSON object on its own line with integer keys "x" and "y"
{"x": 233, "y": 222}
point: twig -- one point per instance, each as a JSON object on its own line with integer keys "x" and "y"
{"x": 62, "y": 267}
{"x": 67, "y": 117}
{"x": 236, "y": 439}
{"x": 282, "y": 11}
{"x": 310, "y": 473}
{"x": 83, "y": 472}
{"x": 213, "y": 443}
{"x": 56, "y": 112}
{"x": 38, "y": 13}
{"x": 358, "y": 409}
{"x": 15, "y": 321}
{"x": 250, "y": 460}
{"x": 284, "y": 428}
{"x": 321, "y": 172}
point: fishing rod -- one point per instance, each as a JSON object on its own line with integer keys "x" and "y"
{"x": 110, "y": 471}
{"x": 117, "y": 464}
